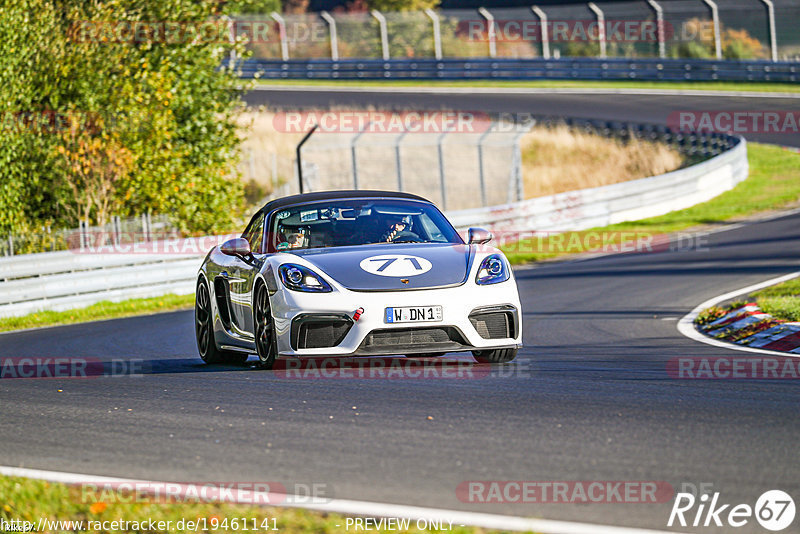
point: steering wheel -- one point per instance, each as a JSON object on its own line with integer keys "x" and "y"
{"x": 405, "y": 237}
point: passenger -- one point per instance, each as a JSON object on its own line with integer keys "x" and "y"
{"x": 295, "y": 239}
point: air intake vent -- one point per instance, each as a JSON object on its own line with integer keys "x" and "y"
{"x": 319, "y": 331}
{"x": 495, "y": 323}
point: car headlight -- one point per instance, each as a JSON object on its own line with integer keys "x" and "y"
{"x": 493, "y": 270}
{"x": 299, "y": 278}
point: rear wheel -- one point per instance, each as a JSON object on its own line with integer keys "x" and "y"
{"x": 204, "y": 330}
{"x": 266, "y": 341}
{"x": 495, "y": 356}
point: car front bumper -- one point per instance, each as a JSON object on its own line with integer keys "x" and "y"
{"x": 371, "y": 335}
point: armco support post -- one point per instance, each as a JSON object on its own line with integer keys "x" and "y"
{"x": 334, "y": 35}
{"x": 282, "y": 33}
{"x": 545, "y": 33}
{"x": 662, "y": 45}
{"x": 491, "y": 31}
{"x": 384, "y": 33}
{"x": 437, "y": 33}
{"x": 601, "y": 27}
{"x": 715, "y": 19}
{"x": 773, "y": 40}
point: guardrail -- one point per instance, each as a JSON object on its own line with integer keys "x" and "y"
{"x": 74, "y": 278}
{"x": 611, "y": 204}
{"x": 68, "y": 279}
{"x": 566, "y": 68}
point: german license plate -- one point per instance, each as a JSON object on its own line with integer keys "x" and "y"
{"x": 414, "y": 314}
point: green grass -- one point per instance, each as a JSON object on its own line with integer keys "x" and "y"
{"x": 773, "y": 183}
{"x": 101, "y": 310}
{"x": 29, "y": 500}
{"x": 781, "y": 301}
{"x": 766, "y": 87}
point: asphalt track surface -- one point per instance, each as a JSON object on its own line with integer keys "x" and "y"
{"x": 595, "y": 104}
{"x": 589, "y": 398}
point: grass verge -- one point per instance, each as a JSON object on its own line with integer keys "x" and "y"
{"x": 754, "y": 87}
{"x": 32, "y": 500}
{"x": 774, "y": 183}
{"x": 781, "y": 301}
{"x": 99, "y": 311}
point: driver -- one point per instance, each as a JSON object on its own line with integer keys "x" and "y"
{"x": 399, "y": 230}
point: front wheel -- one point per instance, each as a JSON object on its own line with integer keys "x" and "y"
{"x": 266, "y": 341}
{"x": 204, "y": 330}
{"x": 495, "y": 356}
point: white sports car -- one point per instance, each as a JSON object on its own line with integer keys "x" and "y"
{"x": 355, "y": 273}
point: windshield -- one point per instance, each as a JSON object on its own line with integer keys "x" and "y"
{"x": 344, "y": 223}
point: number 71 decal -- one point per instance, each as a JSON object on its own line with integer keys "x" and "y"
{"x": 396, "y": 265}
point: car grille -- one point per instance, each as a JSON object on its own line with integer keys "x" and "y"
{"x": 494, "y": 323}
{"x": 401, "y": 340}
{"x": 407, "y": 336}
{"x": 311, "y": 332}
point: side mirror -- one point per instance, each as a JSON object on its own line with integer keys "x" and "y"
{"x": 236, "y": 247}
{"x": 479, "y": 236}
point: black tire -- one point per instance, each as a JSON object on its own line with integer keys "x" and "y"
{"x": 495, "y": 356}
{"x": 264, "y": 326}
{"x": 204, "y": 330}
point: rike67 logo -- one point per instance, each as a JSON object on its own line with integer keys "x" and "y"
{"x": 774, "y": 510}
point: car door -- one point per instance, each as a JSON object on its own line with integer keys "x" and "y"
{"x": 242, "y": 276}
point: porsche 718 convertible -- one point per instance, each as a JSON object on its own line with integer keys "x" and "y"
{"x": 355, "y": 273}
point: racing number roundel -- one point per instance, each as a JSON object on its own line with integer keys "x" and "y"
{"x": 396, "y": 265}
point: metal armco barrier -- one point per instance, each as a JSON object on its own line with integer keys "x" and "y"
{"x": 70, "y": 279}
{"x": 569, "y": 68}
{"x": 616, "y": 203}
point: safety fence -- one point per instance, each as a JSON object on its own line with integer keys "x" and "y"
{"x": 463, "y": 168}
{"x": 729, "y": 29}
{"x": 118, "y": 230}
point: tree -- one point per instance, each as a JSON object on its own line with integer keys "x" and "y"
{"x": 403, "y": 5}
{"x": 252, "y": 7}
{"x": 162, "y": 110}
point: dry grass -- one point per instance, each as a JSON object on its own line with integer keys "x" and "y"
{"x": 559, "y": 159}
{"x": 554, "y": 160}
{"x": 260, "y": 141}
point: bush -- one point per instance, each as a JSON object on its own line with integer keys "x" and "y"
{"x": 130, "y": 126}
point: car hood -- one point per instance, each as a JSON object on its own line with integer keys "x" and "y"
{"x": 386, "y": 267}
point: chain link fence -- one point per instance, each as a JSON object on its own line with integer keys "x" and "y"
{"x": 729, "y": 29}
{"x": 454, "y": 169}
